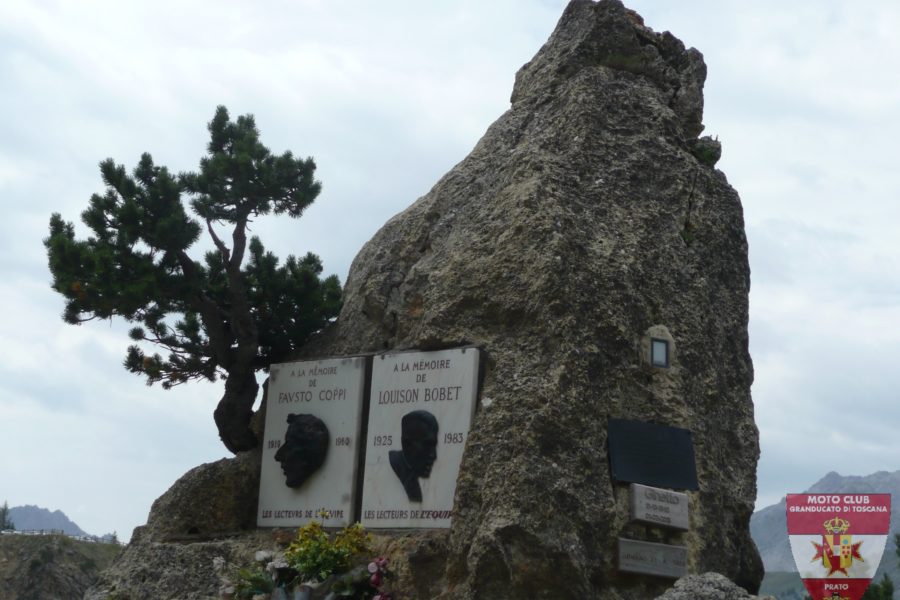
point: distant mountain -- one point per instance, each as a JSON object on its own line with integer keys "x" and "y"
{"x": 34, "y": 517}
{"x": 768, "y": 527}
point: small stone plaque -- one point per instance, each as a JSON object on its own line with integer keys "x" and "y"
{"x": 420, "y": 411}
{"x": 652, "y": 454}
{"x": 648, "y": 558}
{"x": 311, "y": 442}
{"x": 656, "y": 506}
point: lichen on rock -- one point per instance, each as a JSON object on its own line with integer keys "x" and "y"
{"x": 708, "y": 586}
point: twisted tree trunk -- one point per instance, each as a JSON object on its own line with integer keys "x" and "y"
{"x": 234, "y": 411}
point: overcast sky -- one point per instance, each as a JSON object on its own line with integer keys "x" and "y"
{"x": 387, "y": 97}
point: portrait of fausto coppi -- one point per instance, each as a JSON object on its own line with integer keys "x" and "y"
{"x": 304, "y": 449}
{"x": 418, "y": 439}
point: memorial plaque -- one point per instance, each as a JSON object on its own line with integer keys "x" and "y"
{"x": 655, "y": 506}
{"x": 648, "y": 558}
{"x": 311, "y": 442}
{"x": 420, "y": 410}
{"x": 652, "y": 454}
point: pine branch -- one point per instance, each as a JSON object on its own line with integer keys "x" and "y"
{"x": 223, "y": 249}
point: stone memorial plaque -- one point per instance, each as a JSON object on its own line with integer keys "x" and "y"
{"x": 311, "y": 442}
{"x": 652, "y": 454}
{"x": 420, "y": 411}
{"x": 655, "y": 506}
{"x": 648, "y": 558}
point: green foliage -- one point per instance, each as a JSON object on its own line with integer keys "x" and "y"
{"x": 87, "y": 564}
{"x": 5, "y": 522}
{"x": 240, "y": 176}
{"x": 252, "y": 581}
{"x": 315, "y": 555}
{"x": 277, "y": 291}
{"x": 883, "y": 590}
{"x": 357, "y": 583}
{"x": 219, "y": 316}
{"x": 134, "y": 265}
{"x": 706, "y": 150}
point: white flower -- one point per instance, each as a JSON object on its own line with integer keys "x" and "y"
{"x": 278, "y": 563}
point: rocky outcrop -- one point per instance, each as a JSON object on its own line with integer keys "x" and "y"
{"x": 708, "y": 586}
{"x": 214, "y": 499}
{"x": 588, "y": 217}
{"x": 582, "y": 221}
{"x": 50, "y": 566}
{"x": 149, "y": 570}
{"x": 210, "y": 511}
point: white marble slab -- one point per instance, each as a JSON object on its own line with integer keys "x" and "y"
{"x": 331, "y": 390}
{"x": 443, "y": 384}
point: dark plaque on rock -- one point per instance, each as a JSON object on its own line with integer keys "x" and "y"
{"x": 657, "y": 455}
{"x": 647, "y": 558}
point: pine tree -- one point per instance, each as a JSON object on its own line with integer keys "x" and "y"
{"x": 883, "y": 590}
{"x": 230, "y": 315}
{"x": 887, "y": 587}
{"x": 5, "y": 521}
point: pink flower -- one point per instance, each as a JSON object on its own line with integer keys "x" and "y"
{"x": 375, "y": 579}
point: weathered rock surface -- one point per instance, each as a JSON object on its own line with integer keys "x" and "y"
{"x": 149, "y": 570}
{"x": 708, "y": 586}
{"x": 580, "y": 222}
{"x": 210, "y": 511}
{"x": 212, "y": 499}
{"x": 50, "y": 566}
{"x": 186, "y": 569}
{"x": 588, "y": 217}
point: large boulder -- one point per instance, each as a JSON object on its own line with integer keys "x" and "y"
{"x": 708, "y": 586}
{"x": 150, "y": 570}
{"x": 214, "y": 499}
{"x": 588, "y": 218}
